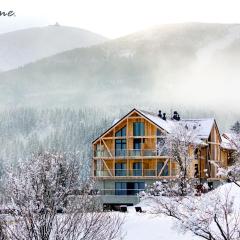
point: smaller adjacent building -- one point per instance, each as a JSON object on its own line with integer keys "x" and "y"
{"x": 126, "y": 157}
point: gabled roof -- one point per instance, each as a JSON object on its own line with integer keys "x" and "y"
{"x": 203, "y": 126}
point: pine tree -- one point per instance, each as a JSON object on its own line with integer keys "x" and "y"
{"x": 236, "y": 127}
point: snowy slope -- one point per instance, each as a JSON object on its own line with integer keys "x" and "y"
{"x": 24, "y": 46}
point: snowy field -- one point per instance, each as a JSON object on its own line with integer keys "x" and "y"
{"x": 146, "y": 226}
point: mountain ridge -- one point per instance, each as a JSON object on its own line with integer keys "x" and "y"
{"x": 24, "y": 46}
{"x": 161, "y": 63}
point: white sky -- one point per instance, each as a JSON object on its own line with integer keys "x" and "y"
{"x": 114, "y": 18}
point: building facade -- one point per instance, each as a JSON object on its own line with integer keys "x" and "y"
{"x": 126, "y": 157}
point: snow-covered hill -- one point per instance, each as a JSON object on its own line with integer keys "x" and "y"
{"x": 24, "y": 46}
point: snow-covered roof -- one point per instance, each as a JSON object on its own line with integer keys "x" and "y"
{"x": 203, "y": 126}
{"x": 167, "y": 125}
{"x": 228, "y": 141}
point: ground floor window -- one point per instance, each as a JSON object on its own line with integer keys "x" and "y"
{"x": 129, "y": 188}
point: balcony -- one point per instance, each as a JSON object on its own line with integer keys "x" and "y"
{"x": 127, "y": 153}
{"x": 132, "y": 173}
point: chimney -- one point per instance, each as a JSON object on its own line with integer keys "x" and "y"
{"x": 160, "y": 113}
{"x": 176, "y": 116}
{"x": 164, "y": 116}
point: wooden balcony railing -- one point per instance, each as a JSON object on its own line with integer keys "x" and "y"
{"x": 126, "y": 153}
{"x": 133, "y": 173}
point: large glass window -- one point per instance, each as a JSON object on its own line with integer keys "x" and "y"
{"x": 134, "y": 188}
{"x": 128, "y": 188}
{"x": 138, "y": 129}
{"x": 121, "y": 132}
{"x": 161, "y": 147}
{"x": 120, "y": 144}
{"x": 120, "y": 147}
{"x": 165, "y": 170}
{"x": 137, "y": 169}
{"x": 121, "y": 188}
{"x": 120, "y": 169}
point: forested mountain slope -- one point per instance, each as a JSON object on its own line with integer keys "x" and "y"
{"x": 185, "y": 64}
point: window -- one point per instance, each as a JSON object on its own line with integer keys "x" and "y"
{"x": 196, "y": 153}
{"x": 120, "y": 144}
{"x": 137, "y": 143}
{"x": 121, "y": 188}
{"x": 120, "y": 169}
{"x": 120, "y": 147}
{"x": 128, "y": 188}
{"x": 161, "y": 147}
{"x": 159, "y": 132}
{"x": 159, "y": 168}
{"x": 137, "y": 169}
{"x": 138, "y": 187}
{"x": 121, "y": 132}
{"x": 138, "y": 129}
{"x": 196, "y": 171}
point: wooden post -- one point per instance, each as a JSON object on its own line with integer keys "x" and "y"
{"x": 114, "y": 152}
{"x": 127, "y": 146}
{"x": 170, "y": 167}
{"x": 156, "y": 173}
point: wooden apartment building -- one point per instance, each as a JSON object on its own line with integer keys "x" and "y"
{"x": 126, "y": 157}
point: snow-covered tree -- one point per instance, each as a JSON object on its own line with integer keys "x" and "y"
{"x": 232, "y": 171}
{"x": 179, "y": 146}
{"x": 48, "y": 199}
{"x": 236, "y": 127}
{"x": 211, "y": 216}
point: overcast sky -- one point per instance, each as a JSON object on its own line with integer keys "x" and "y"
{"x": 114, "y": 18}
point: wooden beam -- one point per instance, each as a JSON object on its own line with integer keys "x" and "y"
{"x": 140, "y": 137}
{"x": 107, "y": 148}
{"x": 109, "y": 171}
{"x": 164, "y": 165}
{"x": 214, "y": 143}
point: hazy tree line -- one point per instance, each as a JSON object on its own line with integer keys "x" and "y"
{"x": 26, "y": 131}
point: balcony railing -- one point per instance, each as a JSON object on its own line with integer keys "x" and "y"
{"x": 133, "y": 173}
{"x": 124, "y": 153}
{"x": 123, "y": 192}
